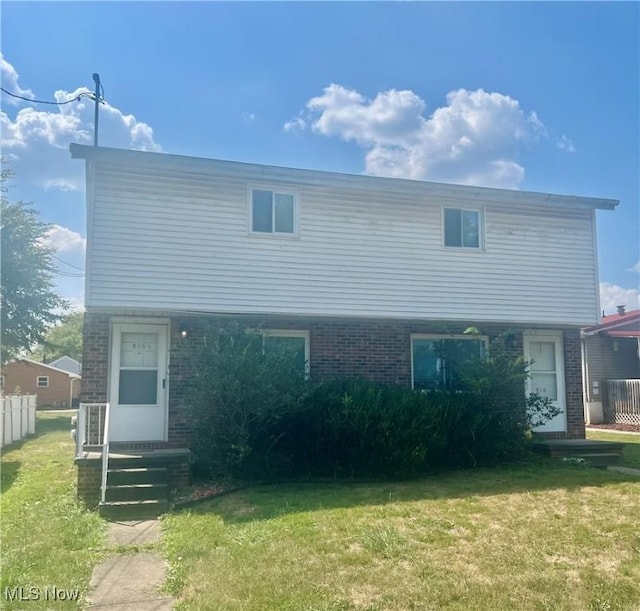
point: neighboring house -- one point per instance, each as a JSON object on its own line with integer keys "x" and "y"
{"x": 66, "y": 363}
{"x": 365, "y": 276}
{"x": 611, "y": 369}
{"x": 53, "y": 387}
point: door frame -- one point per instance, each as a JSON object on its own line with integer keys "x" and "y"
{"x": 117, "y": 325}
{"x": 557, "y": 337}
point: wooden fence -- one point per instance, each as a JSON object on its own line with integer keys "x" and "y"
{"x": 623, "y": 402}
{"x": 18, "y": 418}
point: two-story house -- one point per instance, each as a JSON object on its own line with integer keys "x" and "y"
{"x": 361, "y": 274}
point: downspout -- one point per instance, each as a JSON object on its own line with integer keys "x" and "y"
{"x": 585, "y": 370}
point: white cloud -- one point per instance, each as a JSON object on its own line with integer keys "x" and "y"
{"x": 10, "y": 80}
{"x": 63, "y": 239}
{"x": 565, "y": 144}
{"x": 612, "y": 295}
{"x": 37, "y": 141}
{"x": 635, "y": 268}
{"x": 297, "y": 123}
{"x": 474, "y": 139}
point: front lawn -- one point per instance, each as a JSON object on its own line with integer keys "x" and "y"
{"x": 631, "y": 451}
{"x": 539, "y": 536}
{"x": 49, "y": 541}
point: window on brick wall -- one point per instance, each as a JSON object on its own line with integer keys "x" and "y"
{"x": 293, "y": 341}
{"x": 42, "y": 382}
{"x": 1, "y": 383}
{"x": 436, "y": 360}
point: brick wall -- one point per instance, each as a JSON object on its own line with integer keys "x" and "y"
{"x": 20, "y": 377}
{"x": 573, "y": 382}
{"x": 95, "y": 358}
{"x": 375, "y": 349}
{"x": 89, "y": 481}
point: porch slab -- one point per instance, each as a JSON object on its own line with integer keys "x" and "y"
{"x": 593, "y": 452}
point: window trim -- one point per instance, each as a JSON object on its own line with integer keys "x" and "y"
{"x": 274, "y": 189}
{"x": 1, "y": 383}
{"x": 481, "y": 213}
{"x": 293, "y": 333}
{"x": 441, "y": 336}
{"x": 45, "y": 385}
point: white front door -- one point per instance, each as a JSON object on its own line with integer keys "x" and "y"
{"x": 138, "y": 389}
{"x": 546, "y": 374}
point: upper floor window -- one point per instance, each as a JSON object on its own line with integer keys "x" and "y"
{"x": 462, "y": 228}
{"x": 42, "y": 382}
{"x": 437, "y": 361}
{"x": 273, "y": 212}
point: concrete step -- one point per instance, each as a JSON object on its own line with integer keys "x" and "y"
{"x": 137, "y": 492}
{"x": 139, "y": 475}
{"x": 133, "y": 510}
{"x": 136, "y": 461}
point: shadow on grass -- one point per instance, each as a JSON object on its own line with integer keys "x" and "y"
{"x": 46, "y": 422}
{"x": 266, "y": 501}
{"x": 10, "y": 469}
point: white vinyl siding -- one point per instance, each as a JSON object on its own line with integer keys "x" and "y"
{"x": 175, "y": 238}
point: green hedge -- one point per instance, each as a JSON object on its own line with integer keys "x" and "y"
{"x": 258, "y": 417}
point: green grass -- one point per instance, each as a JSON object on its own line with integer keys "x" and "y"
{"x": 48, "y": 539}
{"x": 537, "y": 536}
{"x": 631, "y": 451}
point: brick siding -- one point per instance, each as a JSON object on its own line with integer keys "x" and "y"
{"x": 374, "y": 349}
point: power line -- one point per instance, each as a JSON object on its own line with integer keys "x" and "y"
{"x": 69, "y": 275}
{"x": 67, "y": 263}
{"x": 20, "y": 97}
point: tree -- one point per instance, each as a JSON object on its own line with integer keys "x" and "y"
{"x": 29, "y": 302}
{"x": 63, "y": 339}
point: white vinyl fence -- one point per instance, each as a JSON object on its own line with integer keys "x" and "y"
{"x": 18, "y": 418}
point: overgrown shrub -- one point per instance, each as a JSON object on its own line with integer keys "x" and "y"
{"x": 238, "y": 394}
{"x": 257, "y": 416}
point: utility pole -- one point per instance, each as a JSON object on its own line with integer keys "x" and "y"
{"x": 96, "y": 80}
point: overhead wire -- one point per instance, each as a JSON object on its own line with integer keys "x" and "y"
{"x": 67, "y": 263}
{"x": 21, "y": 97}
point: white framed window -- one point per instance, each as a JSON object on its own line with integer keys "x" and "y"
{"x": 436, "y": 360}
{"x": 462, "y": 227}
{"x": 273, "y": 211}
{"x": 1, "y": 383}
{"x": 296, "y": 341}
{"x": 42, "y": 382}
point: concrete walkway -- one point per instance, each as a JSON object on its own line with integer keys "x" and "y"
{"x": 130, "y": 580}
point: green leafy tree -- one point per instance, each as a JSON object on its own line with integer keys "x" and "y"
{"x": 63, "y": 339}
{"x": 29, "y": 303}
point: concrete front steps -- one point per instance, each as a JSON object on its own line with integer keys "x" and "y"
{"x": 137, "y": 487}
{"x": 600, "y": 454}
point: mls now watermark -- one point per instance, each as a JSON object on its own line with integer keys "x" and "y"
{"x": 35, "y": 593}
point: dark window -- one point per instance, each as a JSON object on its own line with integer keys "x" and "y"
{"x": 138, "y": 387}
{"x": 437, "y": 362}
{"x": 461, "y": 228}
{"x": 272, "y": 212}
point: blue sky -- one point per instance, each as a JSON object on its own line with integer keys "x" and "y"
{"x": 535, "y": 96}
